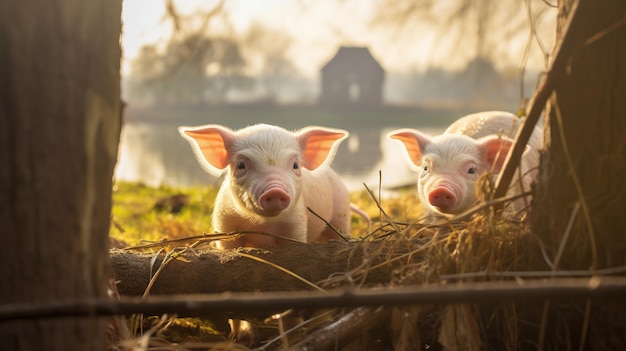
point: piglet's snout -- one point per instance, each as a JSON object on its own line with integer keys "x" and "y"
{"x": 274, "y": 200}
{"x": 442, "y": 198}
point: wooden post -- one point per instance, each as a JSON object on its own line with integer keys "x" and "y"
{"x": 60, "y": 119}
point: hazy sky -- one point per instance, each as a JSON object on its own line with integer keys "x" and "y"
{"x": 318, "y": 28}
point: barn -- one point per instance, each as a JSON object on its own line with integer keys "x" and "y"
{"x": 352, "y": 77}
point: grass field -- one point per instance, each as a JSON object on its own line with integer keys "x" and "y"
{"x": 143, "y": 214}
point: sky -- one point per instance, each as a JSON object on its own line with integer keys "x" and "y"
{"x": 318, "y": 29}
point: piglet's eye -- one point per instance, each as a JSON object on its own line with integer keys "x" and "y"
{"x": 241, "y": 165}
{"x": 296, "y": 165}
{"x": 425, "y": 168}
{"x": 471, "y": 170}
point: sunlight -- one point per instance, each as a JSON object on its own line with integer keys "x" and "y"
{"x": 319, "y": 27}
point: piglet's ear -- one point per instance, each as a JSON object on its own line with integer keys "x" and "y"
{"x": 210, "y": 145}
{"x": 495, "y": 149}
{"x": 414, "y": 143}
{"x": 319, "y": 145}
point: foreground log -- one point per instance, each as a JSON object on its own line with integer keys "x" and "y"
{"x": 214, "y": 271}
{"x": 510, "y": 315}
{"x": 293, "y": 267}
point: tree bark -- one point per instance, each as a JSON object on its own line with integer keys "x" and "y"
{"x": 579, "y": 205}
{"x": 60, "y": 118}
{"x": 582, "y": 176}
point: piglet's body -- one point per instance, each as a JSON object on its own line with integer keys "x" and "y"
{"x": 450, "y": 164}
{"x": 273, "y": 175}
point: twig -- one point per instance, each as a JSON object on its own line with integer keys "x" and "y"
{"x": 162, "y": 243}
{"x": 577, "y": 185}
{"x": 118, "y": 226}
{"x": 585, "y": 328}
{"x": 408, "y": 254}
{"x": 568, "y": 230}
{"x": 544, "y": 324}
{"x": 487, "y": 204}
{"x": 532, "y": 35}
{"x": 207, "y": 237}
{"x": 544, "y": 253}
{"x": 328, "y": 224}
{"x": 168, "y": 258}
{"x": 387, "y": 217}
{"x": 314, "y": 319}
{"x": 563, "y": 49}
{"x": 282, "y": 269}
{"x": 136, "y": 320}
{"x": 535, "y": 274}
{"x": 340, "y": 333}
{"x": 616, "y": 25}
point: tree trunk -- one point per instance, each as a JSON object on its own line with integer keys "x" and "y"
{"x": 580, "y": 198}
{"x": 60, "y": 118}
{"x": 582, "y": 176}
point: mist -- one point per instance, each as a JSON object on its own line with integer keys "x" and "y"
{"x": 387, "y": 66}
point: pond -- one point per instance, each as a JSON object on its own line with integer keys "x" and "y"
{"x": 155, "y": 154}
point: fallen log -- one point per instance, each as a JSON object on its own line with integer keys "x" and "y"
{"x": 292, "y": 267}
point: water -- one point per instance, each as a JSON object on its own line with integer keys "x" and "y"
{"x": 155, "y": 154}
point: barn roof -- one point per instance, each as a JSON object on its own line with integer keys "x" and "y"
{"x": 359, "y": 58}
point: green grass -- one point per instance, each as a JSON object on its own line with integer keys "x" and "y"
{"x": 137, "y": 219}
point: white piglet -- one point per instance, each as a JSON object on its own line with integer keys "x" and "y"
{"x": 450, "y": 164}
{"x": 273, "y": 175}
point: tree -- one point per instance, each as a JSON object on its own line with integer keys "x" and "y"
{"x": 196, "y": 65}
{"x": 266, "y": 50}
{"x": 582, "y": 175}
{"x": 191, "y": 70}
{"x": 467, "y": 29}
{"x": 483, "y": 36}
{"x": 60, "y": 118}
{"x": 578, "y": 208}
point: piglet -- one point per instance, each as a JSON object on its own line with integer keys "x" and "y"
{"x": 272, "y": 176}
{"x": 450, "y": 164}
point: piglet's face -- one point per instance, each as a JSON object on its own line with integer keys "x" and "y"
{"x": 266, "y": 172}
{"x": 448, "y": 174}
{"x": 449, "y": 166}
{"x": 264, "y": 163}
